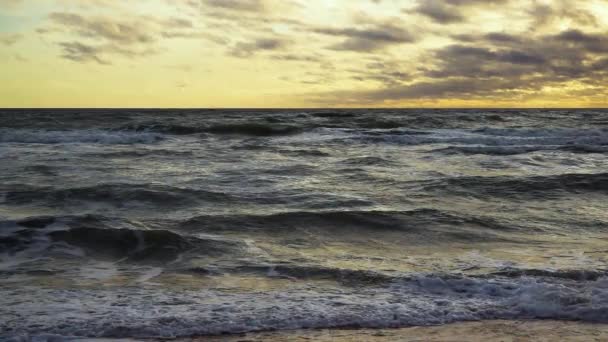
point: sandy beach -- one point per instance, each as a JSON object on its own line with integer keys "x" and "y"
{"x": 503, "y": 331}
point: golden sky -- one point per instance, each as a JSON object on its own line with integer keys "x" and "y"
{"x": 303, "y": 53}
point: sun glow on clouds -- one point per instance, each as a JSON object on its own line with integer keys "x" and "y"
{"x": 295, "y": 53}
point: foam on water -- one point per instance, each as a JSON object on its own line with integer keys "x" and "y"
{"x": 209, "y": 222}
{"x": 492, "y": 141}
{"x": 418, "y": 300}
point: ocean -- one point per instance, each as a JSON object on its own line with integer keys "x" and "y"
{"x": 125, "y": 223}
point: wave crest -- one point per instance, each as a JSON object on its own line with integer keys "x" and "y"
{"x": 101, "y": 237}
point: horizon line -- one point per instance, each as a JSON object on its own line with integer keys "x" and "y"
{"x": 287, "y": 108}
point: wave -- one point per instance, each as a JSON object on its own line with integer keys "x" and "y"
{"x": 112, "y": 193}
{"x": 578, "y": 275}
{"x": 333, "y": 114}
{"x": 495, "y": 141}
{"x": 415, "y": 300}
{"x": 91, "y": 136}
{"x": 140, "y": 245}
{"x": 361, "y": 277}
{"x": 124, "y": 195}
{"x": 177, "y": 129}
{"x": 442, "y": 224}
{"x": 236, "y": 128}
{"x": 303, "y": 272}
{"x": 514, "y": 150}
{"x": 254, "y": 129}
{"x": 108, "y": 238}
{"x": 368, "y": 161}
{"x": 521, "y": 187}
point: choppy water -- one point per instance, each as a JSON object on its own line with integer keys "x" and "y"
{"x": 133, "y": 223}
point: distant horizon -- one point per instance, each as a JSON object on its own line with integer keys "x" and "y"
{"x": 301, "y": 108}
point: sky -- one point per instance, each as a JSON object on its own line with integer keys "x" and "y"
{"x": 303, "y": 53}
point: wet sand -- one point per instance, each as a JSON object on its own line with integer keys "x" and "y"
{"x": 503, "y": 331}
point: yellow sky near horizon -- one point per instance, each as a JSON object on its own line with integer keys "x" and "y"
{"x": 298, "y": 53}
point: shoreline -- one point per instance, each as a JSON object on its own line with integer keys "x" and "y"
{"x": 480, "y": 331}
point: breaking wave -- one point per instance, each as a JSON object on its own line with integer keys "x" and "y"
{"x": 107, "y": 238}
{"x": 415, "y": 300}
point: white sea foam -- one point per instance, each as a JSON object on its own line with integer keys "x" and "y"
{"x": 148, "y": 274}
{"x": 483, "y": 141}
{"x": 91, "y": 136}
{"x": 423, "y": 300}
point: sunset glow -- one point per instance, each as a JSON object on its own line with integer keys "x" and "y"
{"x": 297, "y": 53}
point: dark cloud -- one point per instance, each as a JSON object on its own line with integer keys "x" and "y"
{"x": 449, "y": 11}
{"x": 369, "y": 38}
{"x": 592, "y": 42}
{"x": 80, "y": 52}
{"x": 247, "y": 49}
{"x": 502, "y": 38}
{"x": 478, "y": 62}
{"x": 442, "y": 89}
{"x": 545, "y": 14}
{"x": 439, "y": 12}
{"x": 494, "y": 65}
{"x": 492, "y": 37}
{"x": 564, "y": 54}
{"x": 416, "y": 91}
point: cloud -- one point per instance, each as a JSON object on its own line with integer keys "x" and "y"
{"x": 237, "y": 5}
{"x": 128, "y": 32}
{"x": 592, "y": 42}
{"x": 367, "y": 39}
{"x": 446, "y": 49}
{"x": 388, "y": 73}
{"x": 490, "y": 65}
{"x": 290, "y": 57}
{"x": 439, "y": 12}
{"x": 449, "y": 11}
{"x": 543, "y": 15}
{"x": 247, "y": 49}
{"x": 465, "y": 60}
{"x": 97, "y": 37}
{"x": 10, "y": 38}
{"x": 81, "y": 52}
